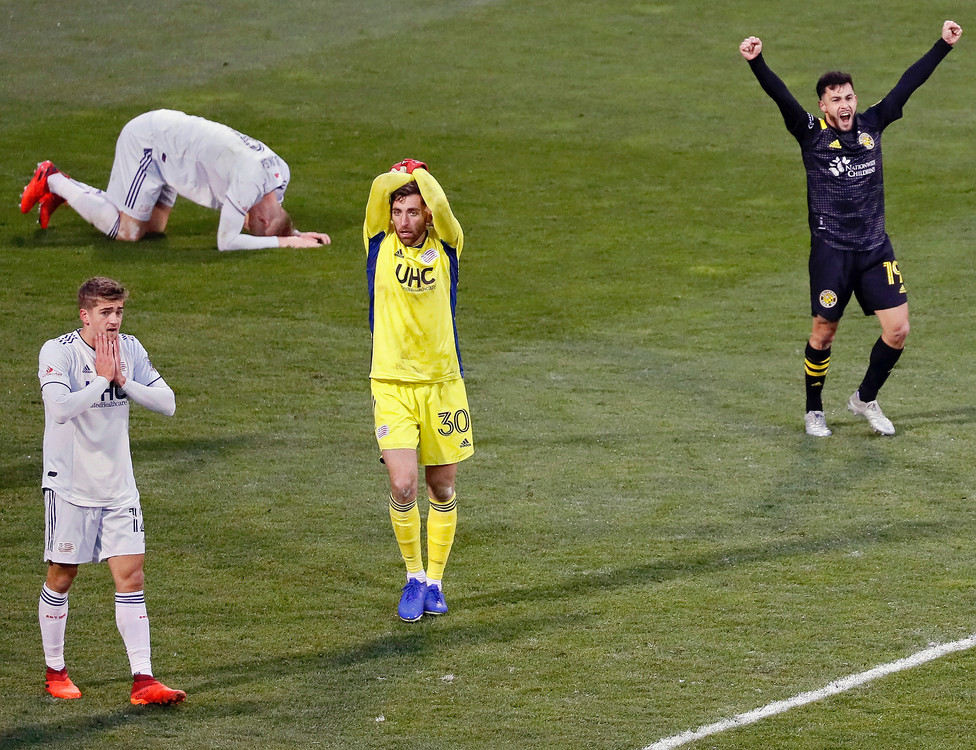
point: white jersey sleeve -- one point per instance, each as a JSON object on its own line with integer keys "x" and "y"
{"x": 230, "y": 235}
{"x": 143, "y": 384}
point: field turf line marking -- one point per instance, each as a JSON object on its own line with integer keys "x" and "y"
{"x": 835, "y": 687}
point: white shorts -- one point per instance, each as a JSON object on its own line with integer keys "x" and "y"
{"x": 75, "y": 534}
{"x": 136, "y": 184}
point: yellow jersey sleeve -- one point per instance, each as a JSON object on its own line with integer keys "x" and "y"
{"x": 378, "y": 205}
{"x": 446, "y": 226}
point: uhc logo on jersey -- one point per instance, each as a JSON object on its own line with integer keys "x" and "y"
{"x": 415, "y": 279}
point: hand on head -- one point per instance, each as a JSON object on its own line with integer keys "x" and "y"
{"x": 408, "y": 165}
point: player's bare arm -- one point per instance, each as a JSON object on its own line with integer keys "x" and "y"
{"x": 951, "y": 31}
{"x": 751, "y": 47}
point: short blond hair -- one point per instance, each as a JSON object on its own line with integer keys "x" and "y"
{"x": 268, "y": 218}
{"x": 100, "y": 287}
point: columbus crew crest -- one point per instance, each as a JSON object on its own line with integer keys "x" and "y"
{"x": 828, "y": 298}
{"x": 865, "y": 140}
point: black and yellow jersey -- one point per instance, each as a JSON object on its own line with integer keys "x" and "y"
{"x": 845, "y": 178}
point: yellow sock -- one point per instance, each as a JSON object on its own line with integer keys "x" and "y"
{"x": 441, "y": 524}
{"x": 406, "y": 526}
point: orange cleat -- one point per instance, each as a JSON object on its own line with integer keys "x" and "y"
{"x": 49, "y": 204}
{"x": 58, "y": 684}
{"x": 147, "y": 690}
{"x": 37, "y": 187}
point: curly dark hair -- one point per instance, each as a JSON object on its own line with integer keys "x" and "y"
{"x": 833, "y": 79}
{"x": 411, "y": 188}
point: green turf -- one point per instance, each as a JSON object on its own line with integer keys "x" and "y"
{"x": 647, "y": 541}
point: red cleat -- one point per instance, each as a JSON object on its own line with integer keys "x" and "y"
{"x": 50, "y": 203}
{"x": 58, "y": 684}
{"x": 147, "y": 690}
{"x": 37, "y": 187}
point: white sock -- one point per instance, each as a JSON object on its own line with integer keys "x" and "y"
{"x": 133, "y": 623}
{"x": 91, "y": 203}
{"x": 421, "y": 576}
{"x": 52, "y": 612}
{"x": 435, "y": 583}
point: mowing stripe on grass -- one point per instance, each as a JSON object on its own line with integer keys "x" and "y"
{"x": 837, "y": 686}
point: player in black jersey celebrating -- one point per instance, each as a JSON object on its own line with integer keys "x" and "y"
{"x": 850, "y": 252}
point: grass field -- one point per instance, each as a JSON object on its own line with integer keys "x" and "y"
{"x": 648, "y": 542}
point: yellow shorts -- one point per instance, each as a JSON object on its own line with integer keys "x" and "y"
{"x": 431, "y": 418}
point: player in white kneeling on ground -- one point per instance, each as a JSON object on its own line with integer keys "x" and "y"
{"x": 92, "y": 510}
{"x": 165, "y": 153}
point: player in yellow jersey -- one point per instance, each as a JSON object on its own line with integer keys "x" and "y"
{"x": 420, "y": 409}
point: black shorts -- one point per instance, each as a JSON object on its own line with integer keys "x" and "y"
{"x": 873, "y": 277}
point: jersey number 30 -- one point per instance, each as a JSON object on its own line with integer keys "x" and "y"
{"x": 459, "y": 421}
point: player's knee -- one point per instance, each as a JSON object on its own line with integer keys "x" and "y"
{"x": 129, "y": 235}
{"x": 134, "y": 580}
{"x": 822, "y": 339}
{"x": 403, "y": 492}
{"x": 896, "y": 335}
{"x": 130, "y": 230}
{"x": 441, "y": 493}
{"x": 60, "y": 577}
{"x": 823, "y": 332}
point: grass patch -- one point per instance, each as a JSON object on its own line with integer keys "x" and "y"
{"x": 647, "y": 540}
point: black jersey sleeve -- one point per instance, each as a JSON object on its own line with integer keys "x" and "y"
{"x": 889, "y": 109}
{"x": 796, "y": 118}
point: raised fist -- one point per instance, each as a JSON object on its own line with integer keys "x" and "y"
{"x": 751, "y": 47}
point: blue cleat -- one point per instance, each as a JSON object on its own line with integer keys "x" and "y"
{"x": 411, "y": 606}
{"x": 434, "y": 603}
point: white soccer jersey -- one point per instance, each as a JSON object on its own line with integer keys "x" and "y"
{"x": 210, "y": 163}
{"x": 86, "y": 419}
{"x": 165, "y": 153}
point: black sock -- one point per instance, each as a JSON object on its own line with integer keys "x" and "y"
{"x": 815, "y": 364}
{"x": 883, "y": 359}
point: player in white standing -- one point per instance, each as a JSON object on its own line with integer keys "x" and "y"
{"x": 92, "y": 511}
{"x": 165, "y": 153}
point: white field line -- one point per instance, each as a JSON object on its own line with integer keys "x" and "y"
{"x": 838, "y": 686}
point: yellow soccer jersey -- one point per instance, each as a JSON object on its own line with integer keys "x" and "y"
{"x": 412, "y": 290}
